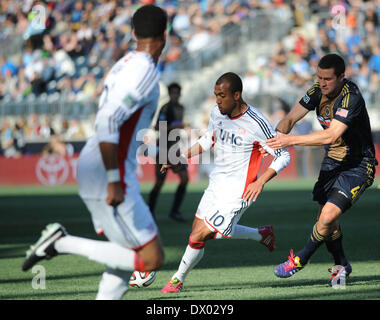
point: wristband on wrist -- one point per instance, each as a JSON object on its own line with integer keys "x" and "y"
{"x": 113, "y": 175}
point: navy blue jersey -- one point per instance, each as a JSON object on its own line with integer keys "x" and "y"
{"x": 347, "y": 107}
{"x": 173, "y": 115}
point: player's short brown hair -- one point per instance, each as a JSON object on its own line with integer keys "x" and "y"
{"x": 332, "y": 60}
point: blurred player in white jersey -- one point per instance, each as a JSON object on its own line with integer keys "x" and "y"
{"x": 236, "y": 131}
{"x": 106, "y": 168}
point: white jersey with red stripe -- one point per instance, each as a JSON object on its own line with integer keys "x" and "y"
{"x": 236, "y": 144}
{"x": 126, "y": 106}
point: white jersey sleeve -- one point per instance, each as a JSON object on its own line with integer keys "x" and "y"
{"x": 265, "y": 131}
{"x": 126, "y": 88}
{"x": 208, "y": 140}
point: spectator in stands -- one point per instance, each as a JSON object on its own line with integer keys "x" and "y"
{"x": 19, "y": 136}
{"x": 374, "y": 61}
{"x": 89, "y": 87}
{"x": 58, "y": 147}
{"x": 10, "y": 83}
{"x": 47, "y": 73}
{"x": 7, "y": 67}
{"x": 65, "y": 87}
{"x": 74, "y": 131}
{"x": 38, "y": 84}
{"x": 99, "y": 31}
{"x": 32, "y": 128}
{"x": 7, "y": 141}
{"x": 251, "y": 84}
{"x": 374, "y": 86}
{"x": 46, "y": 128}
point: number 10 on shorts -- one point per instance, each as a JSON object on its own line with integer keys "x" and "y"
{"x": 216, "y": 220}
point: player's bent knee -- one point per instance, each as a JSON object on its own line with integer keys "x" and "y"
{"x": 153, "y": 261}
{"x": 328, "y": 217}
{"x": 152, "y": 255}
{"x": 200, "y": 232}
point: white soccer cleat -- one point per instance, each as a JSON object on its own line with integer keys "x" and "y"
{"x": 44, "y": 247}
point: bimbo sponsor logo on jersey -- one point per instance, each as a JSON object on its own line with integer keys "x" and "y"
{"x": 325, "y": 123}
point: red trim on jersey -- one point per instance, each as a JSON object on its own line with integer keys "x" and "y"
{"x": 143, "y": 245}
{"x": 239, "y": 115}
{"x": 197, "y": 217}
{"x": 216, "y": 230}
{"x": 254, "y": 165}
{"x": 126, "y": 133}
{"x": 100, "y": 232}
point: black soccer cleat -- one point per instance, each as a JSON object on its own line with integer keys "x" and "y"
{"x": 44, "y": 247}
{"x": 176, "y": 216}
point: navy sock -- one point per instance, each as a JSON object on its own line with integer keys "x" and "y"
{"x": 178, "y": 197}
{"x": 335, "y": 247}
{"x": 313, "y": 243}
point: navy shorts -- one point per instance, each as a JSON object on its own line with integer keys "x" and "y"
{"x": 176, "y": 168}
{"x": 342, "y": 183}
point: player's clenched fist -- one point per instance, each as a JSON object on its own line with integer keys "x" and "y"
{"x": 115, "y": 194}
{"x": 165, "y": 167}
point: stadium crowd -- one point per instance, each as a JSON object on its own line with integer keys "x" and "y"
{"x": 80, "y": 40}
{"x": 291, "y": 67}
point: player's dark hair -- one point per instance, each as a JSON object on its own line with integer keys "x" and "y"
{"x": 174, "y": 85}
{"x": 236, "y": 85}
{"x": 332, "y": 60}
{"x": 149, "y": 21}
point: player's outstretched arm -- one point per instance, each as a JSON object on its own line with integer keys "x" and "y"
{"x": 318, "y": 138}
{"x": 296, "y": 114}
{"x": 115, "y": 194}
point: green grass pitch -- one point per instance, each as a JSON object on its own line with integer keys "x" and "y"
{"x": 229, "y": 270}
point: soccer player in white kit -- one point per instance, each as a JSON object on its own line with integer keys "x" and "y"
{"x": 107, "y": 180}
{"x": 236, "y": 131}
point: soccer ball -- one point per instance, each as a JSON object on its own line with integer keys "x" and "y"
{"x": 142, "y": 279}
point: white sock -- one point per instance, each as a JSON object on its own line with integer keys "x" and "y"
{"x": 104, "y": 252}
{"x": 113, "y": 285}
{"x": 243, "y": 232}
{"x": 189, "y": 260}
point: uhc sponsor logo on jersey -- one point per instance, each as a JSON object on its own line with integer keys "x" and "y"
{"x": 230, "y": 137}
{"x": 325, "y": 123}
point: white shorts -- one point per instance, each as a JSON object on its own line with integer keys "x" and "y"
{"x": 130, "y": 224}
{"x": 218, "y": 214}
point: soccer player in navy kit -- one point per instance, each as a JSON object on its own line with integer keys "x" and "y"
{"x": 171, "y": 112}
{"x": 348, "y": 167}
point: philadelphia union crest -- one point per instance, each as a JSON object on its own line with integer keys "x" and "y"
{"x": 52, "y": 170}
